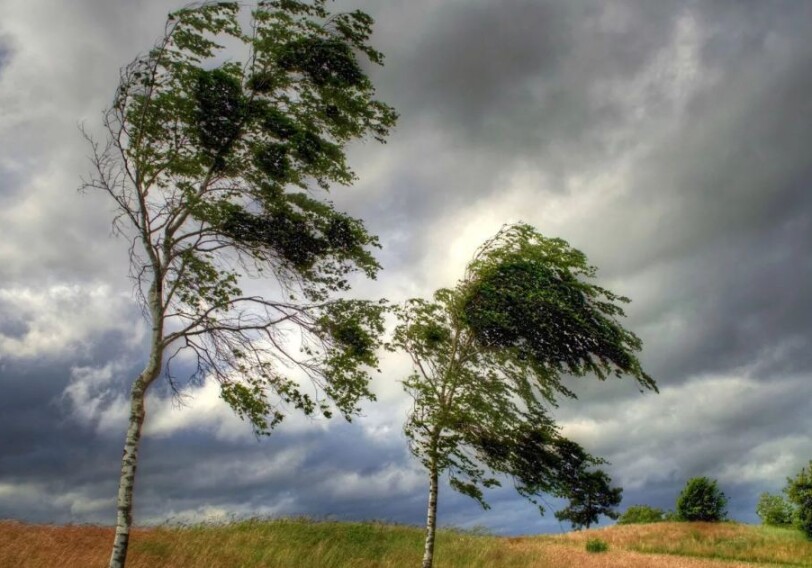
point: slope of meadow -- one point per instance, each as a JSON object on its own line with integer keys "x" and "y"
{"x": 302, "y": 543}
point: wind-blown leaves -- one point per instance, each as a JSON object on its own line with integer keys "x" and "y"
{"x": 213, "y": 164}
{"x": 530, "y": 298}
{"x": 490, "y": 357}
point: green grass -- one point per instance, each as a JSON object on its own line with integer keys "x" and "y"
{"x": 732, "y": 541}
{"x": 300, "y": 543}
{"x": 596, "y": 545}
{"x": 303, "y": 542}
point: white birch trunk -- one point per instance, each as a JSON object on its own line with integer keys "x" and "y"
{"x": 124, "y": 503}
{"x": 431, "y": 516}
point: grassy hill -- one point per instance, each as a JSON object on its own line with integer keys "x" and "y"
{"x": 308, "y": 544}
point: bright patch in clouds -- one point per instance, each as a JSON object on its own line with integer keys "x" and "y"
{"x": 96, "y": 399}
{"x": 62, "y": 319}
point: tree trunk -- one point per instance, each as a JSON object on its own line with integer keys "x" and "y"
{"x": 431, "y": 516}
{"x": 129, "y": 460}
{"x": 126, "y": 481}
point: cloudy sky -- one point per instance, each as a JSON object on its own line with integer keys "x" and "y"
{"x": 670, "y": 141}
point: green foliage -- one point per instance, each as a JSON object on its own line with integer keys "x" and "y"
{"x": 774, "y": 510}
{"x": 528, "y": 296}
{"x": 485, "y": 372}
{"x": 218, "y": 114}
{"x": 590, "y": 496}
{"x": 641, "y": 514}
{"x": 596, "y": 545}
{"x": 702, "y": 500}
{"x": 214, "y": 164}
{"x": 799, "y": 493}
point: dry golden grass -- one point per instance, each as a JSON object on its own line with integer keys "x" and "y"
{"x": 266, "y": 544}
{"x": 563, "y": 556}
{"x": 729, "y": 541}
{"x": 307, "y": 544}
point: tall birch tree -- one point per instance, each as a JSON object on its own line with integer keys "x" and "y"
{"x": 214, "y": 164}
{"x": 489, "y": 359}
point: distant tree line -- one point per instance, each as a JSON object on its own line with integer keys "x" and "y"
{"x": 794, "y": 508}
{"x": 702, "y": 500}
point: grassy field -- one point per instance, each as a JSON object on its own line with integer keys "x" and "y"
{"x": 302, "y": 543}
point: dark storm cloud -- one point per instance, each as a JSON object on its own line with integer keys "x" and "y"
{"x": 340, "y": 478}
{"x": 45, "y": 456}
{"x": 520, "y": 80}
{"x": 737, "y": 164}
{"x": 64, "y": 470}
{"x": 732, "y": 191}
{"x": 517, "y": 75}
{"x": 735, "y": 302}
{"x": 483, "y": 88}
{"x": 5, "y": 54}
{"x": 730, "y": 183}
{"x": 12, "y": 325}
{"x": 38, "y": 411}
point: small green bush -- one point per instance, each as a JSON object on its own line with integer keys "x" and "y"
{"x": 774, "y": 510}
{"x": 639, "y": 514}
{"x": 596, "y": 545}
{"x": 701, "y": 500}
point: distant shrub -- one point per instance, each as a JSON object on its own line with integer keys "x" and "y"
{"x": 799, "y": 493}
{"x": 596, "y": 545}
{"x": 701, "y": 500}
{"x": 671, "y": 516}
{"x": 638, "y": 514}
{"x": 774, "y": 510}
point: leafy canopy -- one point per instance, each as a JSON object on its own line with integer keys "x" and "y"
{"x": 774, "y": 510}
{"x": 590, "y": 495}
{"x": 529, "y": 299}
{"x": 799, "y": 493}
{"x": 213, "y": 163}
{"x": 701, "y": 500}
{"x": 641, "y": 514}
{"x": 489, "y": 356}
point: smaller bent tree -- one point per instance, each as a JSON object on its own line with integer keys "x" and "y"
{"x": 489, "y": 357}
{"x": 213, "y": 165}
{"x": 590, "y": 496}
{"x": 543, "y": 462}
